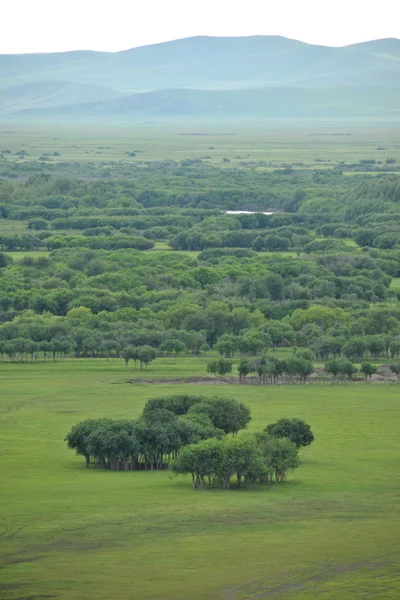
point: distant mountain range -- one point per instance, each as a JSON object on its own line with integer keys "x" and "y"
{"x": 260, "y": 76}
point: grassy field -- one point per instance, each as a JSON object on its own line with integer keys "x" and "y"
{"x": 8, "y": 227}
{"x": 395, "y": 284}
{"x": 309, "y": 143}
{"x": 163, "y": 247}
{"x": 32, "y": 253}
{"x": 330, "y": 532}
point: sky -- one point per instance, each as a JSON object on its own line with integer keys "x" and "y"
{"x": 111, "y": 25}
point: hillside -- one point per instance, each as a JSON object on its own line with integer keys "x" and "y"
{"x": 42, "y": 94}
{"x": 331, "y": 80}
{"x": 332, "y": 102}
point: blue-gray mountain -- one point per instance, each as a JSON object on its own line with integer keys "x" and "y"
{"x": 206, "y": 76}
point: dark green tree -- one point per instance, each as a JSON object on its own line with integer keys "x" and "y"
{"x": 225, "y": 413}
{"x": 296, "y": 430}
{"x": 367, "y": 370}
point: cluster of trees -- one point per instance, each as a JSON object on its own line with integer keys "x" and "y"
{"x": 251, "y": 458}
{"x": 271, "y": 368}
{"x": 164, "y": 428}
{"x": 21, "y": 242}
{"x": 194, "y": 435}
{"x": 142, "y": 354}
{"x": 340, "y": 367}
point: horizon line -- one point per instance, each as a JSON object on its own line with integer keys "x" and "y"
{"x": 180, "y": 39}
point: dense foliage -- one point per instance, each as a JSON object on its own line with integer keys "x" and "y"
{"x": 166, "y": 425}
{"x": 315, "y": 275}
{"x": 251, "y": 458}
{"x": 192, "y": 435}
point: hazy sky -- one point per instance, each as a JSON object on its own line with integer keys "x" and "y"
{"x": 58, "y": 25}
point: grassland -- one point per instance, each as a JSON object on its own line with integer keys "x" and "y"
{"x": 395, "y": 284}
{"x": 307, "y": 143}
{"x": 8, "y": 227}
{"x": 330, "y": 532}
{"x": 31, "y": 253}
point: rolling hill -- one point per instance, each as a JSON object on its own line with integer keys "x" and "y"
{"x": 263, "y": 75}
{"x": 42, "y": 94}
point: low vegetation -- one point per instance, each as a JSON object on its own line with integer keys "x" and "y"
{"x": 56, "y": 513}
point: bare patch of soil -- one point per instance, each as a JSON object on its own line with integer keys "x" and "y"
{"x": 188, "y": 380}
{"x": 212, "y": 380}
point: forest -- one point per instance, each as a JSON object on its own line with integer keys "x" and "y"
{"x": 151, "y": 263}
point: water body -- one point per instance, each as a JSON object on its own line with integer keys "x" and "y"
{"x": 247, "y": 212}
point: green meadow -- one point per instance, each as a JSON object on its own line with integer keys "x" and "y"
{"x": 331, "y": 531}
{"x": 395, "y": 285}
{"x": 305, "y": 143}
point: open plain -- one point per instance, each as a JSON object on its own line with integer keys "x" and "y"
{"x": 331, "y": 531}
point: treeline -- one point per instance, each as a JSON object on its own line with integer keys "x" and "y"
{"x": 194, "y": 435}
{"x": 27, "y": 242}
{"x": 136, "y": 336}
{"x": 92, "y": 303}
{"x": 323, "y": 348}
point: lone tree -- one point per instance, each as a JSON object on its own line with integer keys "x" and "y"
{"x": 222, "y": 366}
{"x": 333, "y": 368}
{"x": 244, "y": 368}
{"x": 296, "y": 430}
{"x": 129, "y": 353}
{"x": 146, "y": 354}
{"x": 173, "y": 347}
{"x": 347, "y": 368}
{"x": 368, "y": 370}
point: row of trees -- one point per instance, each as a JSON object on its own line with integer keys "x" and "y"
{"x": 323, "y": 347}
{"x": 299, "y": 366}
{"x": 266, "y": 367}
{"x": 83, "y": 342}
